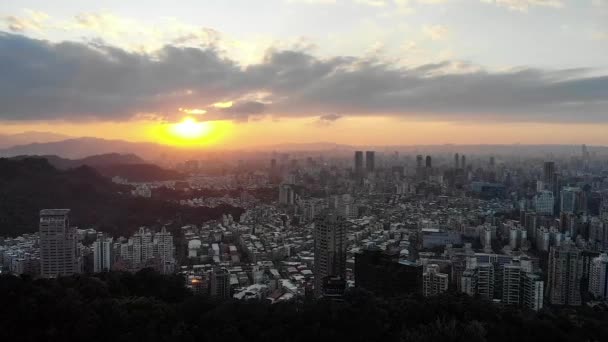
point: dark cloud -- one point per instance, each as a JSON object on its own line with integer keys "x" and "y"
{"x": 330, "y": 117}
{"x": 327, "y": 119}
{"x": 80, "y": 81}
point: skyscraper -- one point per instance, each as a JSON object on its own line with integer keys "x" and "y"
{"x": 565, "y": 272}
{"x": 429, "y": 162}
{"x": 598, "y": 277}
{"x": 102, "y": 253}
{"x": 329, "y": 248}
{"x": 548, "y": 171}
{"x": 58, "y": 244}
{"x": 370, "y": 161}
{"x": 419, "y": 161}
{"x": 358, "y": 163}
{"x": 456, "y": 160}
{"x": 463, "y": 162}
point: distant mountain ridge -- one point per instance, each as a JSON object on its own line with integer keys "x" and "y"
{"x": 9, "y": 140}
{"x": 82, "y": 147}
{"x": 128, "y": 166}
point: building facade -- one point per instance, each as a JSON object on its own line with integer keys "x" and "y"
{"x": 58, "y": 244}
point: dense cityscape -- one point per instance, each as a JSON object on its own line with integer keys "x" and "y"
{"x": 304, "y": 170}
{"x": 514, "y": 231}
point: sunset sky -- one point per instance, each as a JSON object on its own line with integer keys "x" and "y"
{"x": 240, "y": 73}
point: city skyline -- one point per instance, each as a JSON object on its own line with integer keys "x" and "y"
{"x": 367, "y": 72}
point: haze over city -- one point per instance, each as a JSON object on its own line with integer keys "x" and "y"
{"x": 240, "y": 74}
{"x": 304, "y": 170}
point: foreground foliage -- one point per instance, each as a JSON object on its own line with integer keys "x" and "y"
{"x": 149, "y": 307}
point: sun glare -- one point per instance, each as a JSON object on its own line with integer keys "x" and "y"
{"x": 191, "y": 129}
{"x": 191, "y": 133}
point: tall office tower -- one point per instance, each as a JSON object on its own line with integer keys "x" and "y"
{"x": 358, "y": 163}
{"x": 370, "y": 161}
{"x": 530, "y": 223}
{"x": 485, "y": 281}
{"x": 433, "y": 281}
{"x": 456, "y": 160}
{"x": 571, "y": 200}
{"x": 585, "y": 155}
{"x": 511, "y": 284}
{"x": 428, "y": 163}
{"x": 287, "y": 194}
{"x": 58, "y": 244}
{"x": 533, "y": 291}
{"x": 463, "y": 161}
{"x": 165, "y": 248}
{"x": 548, "y": 171}
{"x": 102, "y": 253}
{"x": 544, "y": 202}
{"x": 219, "y": 283}
{"x": 382, "y": 273}
{"x": 329, "y": 248}
{"x": 419, "y": 161}
{"x": 584, "y": 150}
{"x": 565, "y": 273}
{"x": 598, "y": 277}
{"x": 492, "y": 162}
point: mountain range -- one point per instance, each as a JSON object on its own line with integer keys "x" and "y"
{"x": 47, "y": 144}
{"x": 127, "y": 166}
{"x": 9, "y": 140}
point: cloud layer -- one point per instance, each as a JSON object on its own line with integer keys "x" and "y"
{"x": 42, "y": 80}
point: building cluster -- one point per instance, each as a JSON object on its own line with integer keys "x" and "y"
{"x": 58, "y": 249}
{"x": 514, "y": 231}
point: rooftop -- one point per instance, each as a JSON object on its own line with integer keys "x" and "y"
{"x": 54, "y": 212}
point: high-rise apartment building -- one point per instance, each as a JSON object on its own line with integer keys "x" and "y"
{"x": 511, "y": 284}
{"x": 148, "y": 249}
{"x": 329, "y": 248}
{"x": 165, "y": 250}
{"x": 102, "y": 253}
{"x": 485, "y": 280}
{"x": 433, "y": 281}
{"x": 598, "y": 277}
{"x": 59, "y": 254}
{"x": 533, "y": 291}
{"x": 565, "y": 272}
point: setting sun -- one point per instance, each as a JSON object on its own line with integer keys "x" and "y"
{"x": 191, "y": 133}
{"x": 191, "y": 129}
